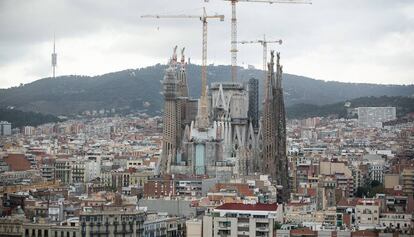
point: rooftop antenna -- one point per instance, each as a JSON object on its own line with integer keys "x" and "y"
{"x": 54, "y": 57}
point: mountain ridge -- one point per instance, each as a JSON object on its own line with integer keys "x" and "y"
{"x": 139, "y": 89}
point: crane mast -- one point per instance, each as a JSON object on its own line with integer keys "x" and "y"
{"x": 233, "y": 42}
{"x": 264, "y": 44}
{"x": 203, "y": 18}
{"x": 233, "y": 50}
{"x": 202, "y": 119}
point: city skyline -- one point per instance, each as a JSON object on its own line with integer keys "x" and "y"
{"x": 330, "y": 40}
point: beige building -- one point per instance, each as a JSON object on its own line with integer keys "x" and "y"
{"x": 237, "y": 219}
{"x": 367, "y": 213}
{"x": 126, "y": 223}
{"x": 49, "y": 230}
{"x": 330, "y": 168}
{"x": 11, "y": 227}
{"x": 408, "y": 181}
{"x": 391, "y": 180}
{"x": 397, "y": 221}
{"x": 194, "y": 228}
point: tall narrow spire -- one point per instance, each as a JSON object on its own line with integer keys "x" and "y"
{"x": 54, "y": 57}
{"x": 182, "y": 77}
{"x": 274, "y": 159}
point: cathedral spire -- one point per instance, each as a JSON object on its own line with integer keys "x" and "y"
{"x": 182, "y": 57}
{"x": 182, "y": 77}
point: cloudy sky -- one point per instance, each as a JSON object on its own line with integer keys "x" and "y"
{"x": 342, "y": 40}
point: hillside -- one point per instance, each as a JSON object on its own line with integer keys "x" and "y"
{"x": 19, "y": 118}
{"x": 404, "y": 105}
{"x": 131, "y": 89}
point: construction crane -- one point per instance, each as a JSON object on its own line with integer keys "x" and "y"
{"x": 203, "y": 18}
{"x": 264, "y": 43}
{"x": 234, "y": 27}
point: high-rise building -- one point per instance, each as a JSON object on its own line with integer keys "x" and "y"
{"x": 5, "y": 128}
{"x": 371, "y": 117}
{"x": 273, "y": 131}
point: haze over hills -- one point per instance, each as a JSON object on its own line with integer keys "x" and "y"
{"x": 403, "y": 106}
{"x": 139, "y": 89}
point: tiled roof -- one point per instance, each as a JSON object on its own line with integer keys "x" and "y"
{"x": 17, "y": 162}
{"x": 242, "y": 189}
{"x": 248, "y": 207}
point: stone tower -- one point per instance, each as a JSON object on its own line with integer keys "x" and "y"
{"x": 254, "y": 102}
{"x": 171, "y": 119}
{"x": 274, "y": 159}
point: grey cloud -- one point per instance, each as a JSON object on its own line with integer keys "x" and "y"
{"x": 342, "y": 26}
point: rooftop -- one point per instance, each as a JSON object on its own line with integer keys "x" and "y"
{"x": 248, "y": 207}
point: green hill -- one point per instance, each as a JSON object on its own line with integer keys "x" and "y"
{"x": 19, "y": 118}
{"x": 129, "y": 90}
{"x": 404, "y": 105}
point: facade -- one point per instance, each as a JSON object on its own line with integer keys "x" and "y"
{"x": 398, "y": 221}
{"x": 237, "y": 219}
{"x": 112, "y": 223}
{"x": 48, "y": 172}
{"x": 408, "y": 181}
{"x": 367, "y": 212}
{"x": 11, "y": 227}
{"x": 5, "y": 128}
{"x": 160, "y": 226}
{"x": 194, "y": 228}
{"x": 371, "y": 117}
{"x": 49, "y": 230}
{"x": 63, "y": 171}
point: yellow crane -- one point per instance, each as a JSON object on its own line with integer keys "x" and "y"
{"x": 203, "y": 18}
{"x": 233, "y": 49}
{"x": 264, "y": 43}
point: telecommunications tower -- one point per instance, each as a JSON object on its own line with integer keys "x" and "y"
{"x": 54, "y": 57}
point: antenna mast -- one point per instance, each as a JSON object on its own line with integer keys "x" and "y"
{"x": 54, "y": 57}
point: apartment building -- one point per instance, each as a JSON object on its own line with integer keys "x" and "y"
{"x": 238, "y": 219}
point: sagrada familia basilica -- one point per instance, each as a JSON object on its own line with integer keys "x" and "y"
{"x": 221, "y": 134}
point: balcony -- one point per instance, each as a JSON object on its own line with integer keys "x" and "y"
{"x": 262, "y": 229}
{"x": 224, "y": 227}
{"x": 262, "y": 220}
{"x": 224, "y": 233}
{"x": 261, "y": 234}
{"x": 243, "y": 224}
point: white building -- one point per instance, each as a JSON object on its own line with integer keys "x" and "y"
{"x": 238, "y": 219}
{"x": 5, "y": 128}
{"x": 371, "y": 117}
{"x": 367, "y": 213}
{"x": 29, "y": 130}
